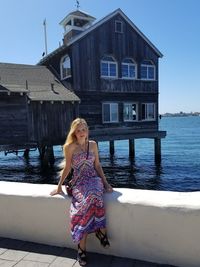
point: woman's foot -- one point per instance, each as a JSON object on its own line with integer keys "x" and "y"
{"x": 81, "y": 256}
{"x": 103, "y": 238}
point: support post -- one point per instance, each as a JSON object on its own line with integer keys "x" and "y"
{"x": 132, "y": 148}
{"x": 26, "y": 153}
{"x": 157, "y": 148}
{"x": 46, "y": 155}
{"x": 50, "y": 155}
{"x": 112, "y": 147}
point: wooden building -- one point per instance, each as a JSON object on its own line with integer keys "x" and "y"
{"x": 113, "y": 68}
{"x": 35, "y": 108}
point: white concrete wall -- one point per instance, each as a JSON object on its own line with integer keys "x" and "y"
{"x": 156, "y": 226}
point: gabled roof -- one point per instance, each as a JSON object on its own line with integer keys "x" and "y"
{"x": 36, "y": 81}
{"x": 109, "y": 16}
{"x": 93, "y": 27}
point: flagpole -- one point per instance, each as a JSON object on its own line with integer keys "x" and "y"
{"x": 45, "y": 35}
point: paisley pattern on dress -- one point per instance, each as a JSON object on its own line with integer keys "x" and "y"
{"x": 87, "y": 207}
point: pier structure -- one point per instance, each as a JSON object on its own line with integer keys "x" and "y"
{"x": 131, "y": 135}
{"x": 35, "y": 110}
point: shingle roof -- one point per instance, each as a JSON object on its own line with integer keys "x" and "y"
{"x": 37, "y": 81}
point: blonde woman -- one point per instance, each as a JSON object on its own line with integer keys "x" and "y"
{"x": 87, "y": 207}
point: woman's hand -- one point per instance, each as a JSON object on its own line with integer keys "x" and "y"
{"x": 108, "y": 188}
{"x": 56, "y": 191}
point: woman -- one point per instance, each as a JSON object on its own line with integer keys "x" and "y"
{"x": 89, "y": 182}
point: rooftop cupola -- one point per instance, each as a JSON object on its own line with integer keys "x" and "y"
{"x": 75, "y": 23}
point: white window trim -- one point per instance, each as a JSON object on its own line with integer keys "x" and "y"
{"x": 109, "y": 76}
{"x": 61, "y": 67}
{"x": 110, "y": 103}
{"x": 146, "y": 106}
{"x": 129, "y": 77}
{"x": 118, "y": 21}
{"x": 131, "y": 103}
{"x": 154, "y": 70}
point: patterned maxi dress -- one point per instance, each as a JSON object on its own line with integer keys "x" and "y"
{"x": 87, "y": 208}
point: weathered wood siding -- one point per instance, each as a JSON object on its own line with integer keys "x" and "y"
{"x": 24, "y": 124}
{"x": 49, "y": 123}
{"x": 13, "y": 119}
{"x": 93, "y": 90}
{"x": 87, "y": 53}
{"x": 91, "y": 109}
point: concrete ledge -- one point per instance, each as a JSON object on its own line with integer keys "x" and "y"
{"x": 154, "y": 226}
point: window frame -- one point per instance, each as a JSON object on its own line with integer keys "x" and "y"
{"x": 109, "y": 63}
{"x": 121, "y": 27}
{"x": 136, "y": 111}
{"x": 110, "y": 112}
{"x": 147, "y": 111}
{"x": 61, "y": 67}
{"x": 148, "y": 67}
{"x": 129, "y": 65}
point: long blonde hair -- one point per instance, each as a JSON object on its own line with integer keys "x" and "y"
{"x": 71, "y": 137}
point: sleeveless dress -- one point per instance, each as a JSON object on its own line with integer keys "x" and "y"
{"x": 87, "y": 210}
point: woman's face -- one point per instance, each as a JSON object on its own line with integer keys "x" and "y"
{"x": 81, "y": 132}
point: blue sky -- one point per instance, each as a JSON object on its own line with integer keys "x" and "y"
{"x": 173, "y": 26}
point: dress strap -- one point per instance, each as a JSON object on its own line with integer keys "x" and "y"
{"x": 87, "y": 150}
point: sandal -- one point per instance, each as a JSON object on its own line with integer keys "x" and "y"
{"x": 103, "y": 238}
{"x": 81, "y": 256}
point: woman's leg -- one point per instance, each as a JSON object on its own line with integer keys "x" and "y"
{"x": 82, "y": 242}
{"x": 101, "y": 234}
{"x": 81, "y": 257}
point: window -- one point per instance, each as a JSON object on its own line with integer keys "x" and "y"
{"x": 148, "y": 111}
{"x": 147, "y": 70}
{"x": 108, "y": 67}
{"x": 130, "y": 112}
{"x": 118, "y": 26}
{"x": 65, "y": 67}
{"x": 110, "y": 112}
{"x": 128, "y": 69}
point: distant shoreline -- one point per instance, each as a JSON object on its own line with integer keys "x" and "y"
{"x": 181, "y": 114}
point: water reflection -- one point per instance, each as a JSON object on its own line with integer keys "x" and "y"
{"x": 120, "y": 170}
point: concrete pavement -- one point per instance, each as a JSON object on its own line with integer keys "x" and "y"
{"x": 27, "y": 254}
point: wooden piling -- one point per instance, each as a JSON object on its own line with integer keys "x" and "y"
{"x": 112, "y": 147}
{"x": 132, "y": 148}
{"x": 26, "y": 153}
{"x": 157, "y": 148}
{"x": 50, "y": 155}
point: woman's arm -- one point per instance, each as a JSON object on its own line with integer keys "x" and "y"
{"x": 67, "y": 167}
{"x": 99, "y": 169}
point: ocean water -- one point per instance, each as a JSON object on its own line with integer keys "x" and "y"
{"x": 179, "y": 169}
